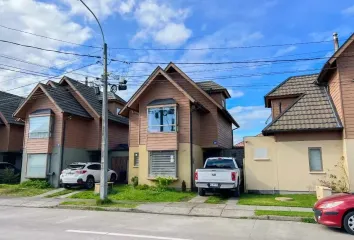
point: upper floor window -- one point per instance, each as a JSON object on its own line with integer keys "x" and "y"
{"x": 223, "y": 103}
{"x": 39, "y": 127}
{"x": 162, "y": 119}
{"x": 280, "y": 110}
{"x": 118, "y": 109}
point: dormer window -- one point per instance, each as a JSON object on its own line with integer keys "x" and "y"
{"x": 162, "y": 119}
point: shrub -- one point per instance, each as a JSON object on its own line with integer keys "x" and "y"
{"x": 163, "y": 182}
{"x": 337, "y": 183}
{"x": 36, "y": 183}
{"x": 135, "y": 181}
{"x": 184, "y": 186}
{"x": 103, "y": 202}
{"x": 142, "y": 187}
{"x": 8, "y": 176}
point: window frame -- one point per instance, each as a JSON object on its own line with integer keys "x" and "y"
{"x": 309, "y": 158}
{"x": 46, "y": 165}
{"x": 223, "y": 103}
{"x": 175, "y": 154}
{"x": 50, "y": 127}
{"x": 162, "y": 106}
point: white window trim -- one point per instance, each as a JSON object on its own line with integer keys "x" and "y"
{"x": 165, "y": 125}
{"x": 315, "y": 171}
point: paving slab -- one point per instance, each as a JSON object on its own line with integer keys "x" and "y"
{"x": 49, "y": 193}
{"x": 298, "y": 209}
{"x": 210, "y": 206}
{"x": 69, "y": 194}
{"x": 183, "y": 204}
{"x": 273, "y": 208}
{"x": 237, "y": 213}
{"x": 176, "y": 210}
{"x": 215, "y": 212}
{"x": 198, "y": 199}
{"x": 153, "y": 208}
{"x": 240, "y": 207}
{"x": 232, "y": 201}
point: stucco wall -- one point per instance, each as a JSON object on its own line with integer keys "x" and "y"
{"x": 287, "y": 168}
{"x": 348, "y": 152}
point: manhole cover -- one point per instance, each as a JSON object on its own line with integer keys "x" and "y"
{"x": 283, "y": 199}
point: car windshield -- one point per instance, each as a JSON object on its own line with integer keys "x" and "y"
{"x": 223, "y": 163}
{"x": 76, "y": 166}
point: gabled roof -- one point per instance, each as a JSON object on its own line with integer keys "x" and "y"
{"x": 88, "y": 94}
{"x": 213, "y": 87}
{"x": 312, "y": 110}
{"x": 112, "y": 96}
{"x": 8, "y": 105}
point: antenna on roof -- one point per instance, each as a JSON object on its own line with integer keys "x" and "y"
{"x": 336, "y": 42}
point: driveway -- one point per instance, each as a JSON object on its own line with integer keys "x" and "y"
{"x": 55, "y": 224}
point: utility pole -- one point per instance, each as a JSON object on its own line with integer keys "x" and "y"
{"x": 104, "y": 138}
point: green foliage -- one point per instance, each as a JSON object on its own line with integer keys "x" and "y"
{"x": 217, "y": 199}
{"x": 308, "y": 220}
{"x": 8, "y": 176}
{"x": 162, "y": 183}
{"x": 184, "y": 186}
{"x": 142, "y": 187}
{"x": 135, "y": 181}
{"x": 338, "y": 183}
{"x": 36, "y": 183}
{"x": 299, "y": 200}
{"x": 283, "y": 213}
{"x": 103, "y": 202}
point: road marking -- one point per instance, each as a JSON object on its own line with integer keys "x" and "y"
{"x": 125, "y": 235}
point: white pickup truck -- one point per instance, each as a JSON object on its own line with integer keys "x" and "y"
{"x": 219, "y": 173}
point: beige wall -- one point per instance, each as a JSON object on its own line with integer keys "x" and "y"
{"x": 287, "y": 168}
{"x": 348, "y": 152}
{"x": 183, "y": 165}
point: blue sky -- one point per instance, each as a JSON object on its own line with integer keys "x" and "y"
{"x": 181, "y": 24}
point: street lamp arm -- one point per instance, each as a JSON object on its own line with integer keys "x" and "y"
{"x": 96, "y": 19}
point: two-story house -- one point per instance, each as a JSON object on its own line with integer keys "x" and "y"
{"x": 174, "y": 123}
{"x": 311, "y": 133}
{"x": 11, "y": 131}
{"x": 63, "y": 125}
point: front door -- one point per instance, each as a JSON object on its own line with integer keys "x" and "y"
{"x": 120, "y": 165}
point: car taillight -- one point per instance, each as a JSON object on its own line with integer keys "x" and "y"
{"x": 196, "y": 176}
{"x": 233, "y": 176}
{"x": 81, "y": 171}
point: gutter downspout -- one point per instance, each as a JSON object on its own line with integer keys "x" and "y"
{"x": 62, "y": 145}
{"x": 191, "y": 144}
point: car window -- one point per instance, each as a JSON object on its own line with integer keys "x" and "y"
{"x": 94, "y": 167}
{"x": 2, "y": 166}
{"x": 76, "y": 166}
{"x": 222, "y": 163}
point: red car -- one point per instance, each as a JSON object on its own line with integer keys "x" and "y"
{"x": 336, "y": 211}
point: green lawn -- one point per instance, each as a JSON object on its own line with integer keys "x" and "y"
{"x": 18, "y": 190}
{"x": 128, "y": 193}
{"x": 299, "y": 200}
{"x": 61, "y": 193}
{"x": 93, "y": 204}
{"x": 283, "y": 213}
{"x": 217, "y": 199}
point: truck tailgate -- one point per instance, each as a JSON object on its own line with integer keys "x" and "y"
{"x": 214, "y": 175}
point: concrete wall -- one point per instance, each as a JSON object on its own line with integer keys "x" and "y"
{"x": 287, "y": 166}
{"x": 183, "y": 165}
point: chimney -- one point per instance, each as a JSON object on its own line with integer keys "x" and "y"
{"x": 335, "y": 40}
{"x": 86, "y": 81}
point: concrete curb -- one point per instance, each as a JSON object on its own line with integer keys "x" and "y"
{"x": 114, "y": 209}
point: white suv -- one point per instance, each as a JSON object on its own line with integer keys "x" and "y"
{"x": 84, "y": 174}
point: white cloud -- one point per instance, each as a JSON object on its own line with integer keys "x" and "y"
{"x": 283, "y": 51}
{"x": 349, "y": 10}
{"x": 249, "y": 117}
{"x": 235, "y": 93}
{"x": 127, "y": 6}
{"x": 173, "y": 34}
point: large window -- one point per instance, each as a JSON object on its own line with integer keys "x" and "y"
{"x": 39, "y": 127}
{"x": 162, "y": 119}
{"x": 315, "y": 158}
{"x": 163, "y": 163}
{"x": 37, "y": 165}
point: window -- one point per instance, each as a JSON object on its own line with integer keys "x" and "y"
{"x": 261, "y": 154}
{"x": 315, "y": 159}
{"x": 163, "y": 163}
{"x": 37, "y": 165}
{"x": 118, "y": 109}
{"x": 39, "y": 127}
{"x": 162, "y": 119}
{"x": 94, "y": 167}
{"x": 223, "y": 103}
{"x": 223, "y": 163}
{"x": 280, "y": 110}
{"x": 136, "y": 159}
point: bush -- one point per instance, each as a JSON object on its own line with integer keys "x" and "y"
{"x": 135, "y": 181}
{"x": 338, "y": 183}
{"x": 8, "y": 176}
{"x": 36, "y": 183}
{"x": 163, "y": 182}
{"x": 142, "y": 187}
{"x": 103, "y": 202}
{"x": 184, "y": 186}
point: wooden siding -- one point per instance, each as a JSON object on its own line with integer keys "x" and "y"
{"x": 209, "y": 134}
{"x": 76, "y": 132}
{"x": 335, "y": 92}
{"x": 133, "y": 129}
{"x": 113, "y": 105}
{"x": 285, "y": 103}
{"x": 196, "y": 128}
{"x": 224, "y": 132}
{"x": 117, "y": 134}
{"x": 161, "y": 89}
{"x": 4, "y": 138}
{"x": 16, "y": 138}
{"x": 345, "y": 66}
{"x": 162, "y": 141}
{"x": 218, "y": 97}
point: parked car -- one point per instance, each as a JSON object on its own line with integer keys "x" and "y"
{"x": 219, "y": 173}
{"x": 15, "y": 171}
{"x": 336, "y": 211}
{"x": 84, "y": 174}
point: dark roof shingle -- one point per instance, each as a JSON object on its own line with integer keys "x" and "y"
{"x": 8, "y": 105}
{"x": 312, "y": 110}
{"x": 211, "y": 86}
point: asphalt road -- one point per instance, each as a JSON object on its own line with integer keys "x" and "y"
{"x": 55, "y": 224}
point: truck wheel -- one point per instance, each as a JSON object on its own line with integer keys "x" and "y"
{"x": 237, "y": 192}
{"x": 348, "y": 222}
{"x": 201, "y": 192}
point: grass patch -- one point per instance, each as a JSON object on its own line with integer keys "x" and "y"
{"x": 21, "y": 190}
{"x": 283, "y": 213}
{"x": 61, "y": 193}
{"x": 128, "y": 193}
{"x": 216, "y": 199}
{"x": 299, "y": 200}
{"x": 93, "y": 204}
{"x": 308, "y": 220}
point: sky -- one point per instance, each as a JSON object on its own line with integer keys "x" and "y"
{"x": 182, "y": 31}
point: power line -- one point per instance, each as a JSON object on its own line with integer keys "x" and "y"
{"x": 49, "y": 50}
{"x": 59, "y": 40}
{"x": 29, "y": 73}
